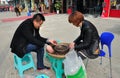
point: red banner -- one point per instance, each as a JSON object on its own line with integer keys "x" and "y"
{"x": 106, "y": 8}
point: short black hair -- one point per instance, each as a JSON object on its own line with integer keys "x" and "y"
{"x": 38, "y": 17}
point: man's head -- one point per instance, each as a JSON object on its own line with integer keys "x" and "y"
{"x": 38, "y": 20}
{"x": 76, "y": 18}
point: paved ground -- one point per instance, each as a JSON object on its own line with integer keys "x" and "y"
{"x": 57, "y": 27}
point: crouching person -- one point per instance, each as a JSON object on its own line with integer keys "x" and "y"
{"x": 87, "y": 43}
{"x": 27, "y": 38}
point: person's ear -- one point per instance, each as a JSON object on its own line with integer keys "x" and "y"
{"x": 41, "y": 22}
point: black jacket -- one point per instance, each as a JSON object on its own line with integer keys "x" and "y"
{"x": 24, "y": 35}
{"x": 88, "y": 39}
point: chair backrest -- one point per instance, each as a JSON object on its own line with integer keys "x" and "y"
{"x": 106, "y": 39}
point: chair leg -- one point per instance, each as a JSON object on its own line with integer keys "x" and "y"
{"x": 101, "y": 61}
{"x": 21, "y": 73}
{"x": 22, "y": 77}
{"x": 110, "y": 67}
{"x": 86, "y": 63}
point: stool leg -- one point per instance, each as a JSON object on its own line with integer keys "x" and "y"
{"x": 21, "y": 73}
{"x": 59, "y": 68}
{"x": 101, "y": 61}
{"x": 15, "y": 62}
{"x": 110, "y": 67}
{"x": 19, "y": 66}
{"x": 21, "y": 76}
{"x": 31, "y": 59}
{"x": 86, "y": 63}
{"x": 54, "y": 64}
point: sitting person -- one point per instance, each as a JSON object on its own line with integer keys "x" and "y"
{"x": 87, "y": 43}
{"x": 27, "y": 39}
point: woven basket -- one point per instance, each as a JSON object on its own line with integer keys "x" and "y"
{"x": 57, "y": 56}
{"x": 60, "y": 53}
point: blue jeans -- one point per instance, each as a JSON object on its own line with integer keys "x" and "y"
{"x": 40, "y": 54}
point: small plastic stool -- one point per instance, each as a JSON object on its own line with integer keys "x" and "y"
{"x": 22, "y": 64}
{"x": 42, "y": 76}
{"x": 56, "y": 64}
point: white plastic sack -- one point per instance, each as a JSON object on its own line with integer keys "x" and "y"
{"x": 72, "y": 63}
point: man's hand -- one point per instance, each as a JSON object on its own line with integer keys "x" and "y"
{"x": 53, "y": 42}
{"x": 49, "y": 49}
{"x": 72, "y": 45}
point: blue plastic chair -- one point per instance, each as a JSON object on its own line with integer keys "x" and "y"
{"x": 106, "y": 38}
{"x": 22, "y": 64}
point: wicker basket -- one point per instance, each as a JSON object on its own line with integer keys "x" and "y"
{"x": 57, "y": 56}
{"x": 60, "y": 53}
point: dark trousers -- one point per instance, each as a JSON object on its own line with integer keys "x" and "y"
{"x": 18, "y": 13}
{"x": 40, "y": 54}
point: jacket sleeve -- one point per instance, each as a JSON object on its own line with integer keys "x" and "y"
{"x": 45, "y": 40}
{"x": 77, "y": 39}
{"x": 27, "y": 33}
{"x": 86, "y": 41}
{"x": 41, "y": 38}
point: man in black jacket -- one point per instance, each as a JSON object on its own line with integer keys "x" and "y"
{"x": 87, "y": 43}
{"x": 27, "y": 39}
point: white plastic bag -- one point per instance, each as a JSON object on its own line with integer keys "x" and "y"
{"x": 72, "y": 63}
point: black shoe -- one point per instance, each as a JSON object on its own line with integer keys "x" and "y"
{"x": 45, "y": 67}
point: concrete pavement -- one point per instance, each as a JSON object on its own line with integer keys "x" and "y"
{"x": 57, "y": 27}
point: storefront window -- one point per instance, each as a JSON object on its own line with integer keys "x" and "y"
{"x": 69, "y": 3}
{"x": 115, "y": 4}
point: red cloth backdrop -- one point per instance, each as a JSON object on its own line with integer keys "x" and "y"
{"x": 106, "y": 8}
{"x": 114, "y": 13}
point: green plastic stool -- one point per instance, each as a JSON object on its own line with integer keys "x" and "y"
{"x": 56, "y": 64}
{"x": 22, "y": 64}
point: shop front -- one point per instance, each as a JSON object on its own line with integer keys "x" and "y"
{"x": 86, "y": 6}
{"x": 115, "y": 8}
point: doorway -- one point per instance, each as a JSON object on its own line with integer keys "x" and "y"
{"x": 92, "y": 7}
